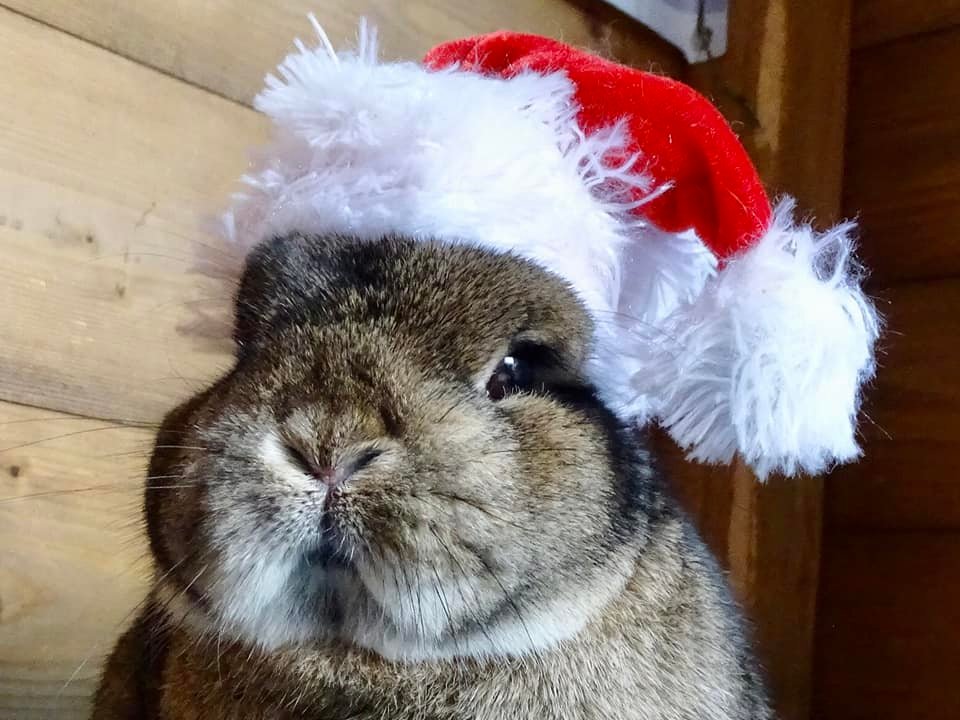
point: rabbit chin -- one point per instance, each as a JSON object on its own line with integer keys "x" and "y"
{"x": 294, "y": 604}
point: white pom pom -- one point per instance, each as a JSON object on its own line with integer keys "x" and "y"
{"x": 769, "y": 361}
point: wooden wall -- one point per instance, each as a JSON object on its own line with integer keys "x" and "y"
{"x": 888, "y": 635}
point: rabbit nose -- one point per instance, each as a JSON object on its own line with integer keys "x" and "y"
{"x": 349, "y": 464}
{"x": 327, "y": 476}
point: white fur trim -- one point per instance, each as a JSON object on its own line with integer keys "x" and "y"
{"x": 769, "y": 361}
{"x": 661, "y": 272}
{"x": 370, "y": 149}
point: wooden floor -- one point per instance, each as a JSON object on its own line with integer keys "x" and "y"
{"x": 122, "y": 124}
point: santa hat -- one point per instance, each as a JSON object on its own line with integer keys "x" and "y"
{"x": 717, "y": 316}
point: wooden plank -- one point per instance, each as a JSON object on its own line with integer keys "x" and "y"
{"x": 788, "y": 104}
{"x": 105, "y": 168}
{"x": 888, "y": 633}
{"x": 878, "y": 21}
{"x": 903, "y": 157}
{"x": 71, "y": 555}
{"x": 228, "y": 46}
{"x": 908, "y": 477}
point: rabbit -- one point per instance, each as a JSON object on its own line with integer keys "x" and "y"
{"x": 405, "y": 501}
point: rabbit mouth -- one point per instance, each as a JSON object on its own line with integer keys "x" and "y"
{"x": 331, "y": 549}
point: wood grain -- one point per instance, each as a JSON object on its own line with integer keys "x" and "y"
{"x": 71, "y": 555}
{"x": 227, "y": 46}
{"x": 878, "y": 21}
{"x": 789, "y": 106}
{"x": 909, "y": 478}
{"x": 903, "y": 157}
{"x": 886, "y": 641}
{"x": 105, "y": 169}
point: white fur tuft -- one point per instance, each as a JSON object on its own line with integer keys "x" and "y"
{"x": 769, "y": 361}
{"x": 661, "y": 272}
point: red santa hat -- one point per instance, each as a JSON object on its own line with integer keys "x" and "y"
{"x": 737, "y": 329}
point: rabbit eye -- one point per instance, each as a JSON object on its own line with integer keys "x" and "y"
{"x": 511, "y": 375}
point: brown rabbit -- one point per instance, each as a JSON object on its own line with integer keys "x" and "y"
{"x": 405, "y": 501}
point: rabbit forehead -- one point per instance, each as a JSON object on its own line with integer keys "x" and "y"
{"x": 455, "y": 306}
